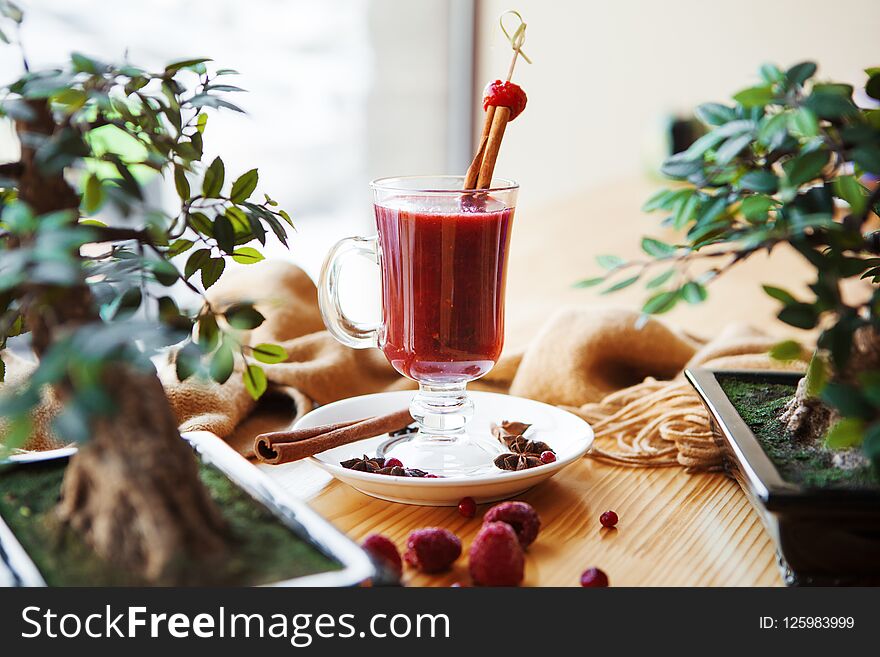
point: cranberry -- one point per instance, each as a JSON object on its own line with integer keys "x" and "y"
{"x": 608, "y": 519}
{"x": 393, "y": 463}
{"x": 467, "y": 507}
{"x": 594, "y": 578}
{"x": 548, "y": 457}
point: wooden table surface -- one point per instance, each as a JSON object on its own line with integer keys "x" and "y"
{"x": 675, "y": 529}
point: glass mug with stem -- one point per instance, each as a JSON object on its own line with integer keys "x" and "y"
{"x": 442, "y": 252}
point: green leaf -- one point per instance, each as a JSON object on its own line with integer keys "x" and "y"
{"x": 770, "y": 73}
{"x": 255, "y": 380}
{"x": 755, "y": 96}
{"x": 761, "y": 181}
{"x": 93, "y": 195}
{"x": 247, "y": 255}
{"x": 848, "y": 432}
{"x": 657, "y": 281}
{"x": 679, "y": 166}
{"x": 694, "y": 292}
{"x": 212, "y": 185}
{"x": 181, "y": 183}
{"x": 187, "y": 360}
{"x": 830, "y": 106}
{"x": 773, "y": 130}
{"x": 610, "y": 261}
{"x": 590, "y": 282}
{"x": 195, "y": 262}
{"x": 658, "y": 200}
{"x": 244, "y": 186}
{"x": 804, "y": 122}
{"x": 209, "y": 332}
{"x": 269, "y": 353}
{"x": 620, "y": 285}
{"x": 222, "y": 364}
{"x": 848, "y": 400}
{"x": 731, "y": 148}
{"x": 849, "y": 189}
{"x": 179, "y": 246}
{"x": 661, "y": 303}
{"x": 755, "y": 208}
{"x": 800, "y": 73}
{"x": 714, "y": 113}
{"x": 786, "y": 350}
{"x": 799, "y": 315}
{"x": 224, "y": 234}
{"x": 186, "y": 63}
{"x": 656, "y": 248}
{"x": 867, "y": 157}
{"x": 243, "y": 316}
{"x": 806, "y": 167}
{"x": 872, "y": 88}
{"x": 211, "y": 271}
{"x": 685, "y": 211}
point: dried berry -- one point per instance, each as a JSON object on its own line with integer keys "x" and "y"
{"x": 517, "y": 461}
{"x": 495, "y": 557}
{"x": 608, "y": 519}
{"x": 548, "y": 457}
{"x": 594, "y": 578}
{"x": 520, "y": 516}
{"x": 384, "y": 552}
{"x": 467, "y": 507}
{"x": 390, "y": 463}
{"x": 432, "y": 549}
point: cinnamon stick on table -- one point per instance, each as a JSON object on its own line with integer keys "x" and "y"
{"x": 285, "y": 446}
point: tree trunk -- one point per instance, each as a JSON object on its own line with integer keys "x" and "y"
{"x": 133, "y": 490}
{"x": 807, "y": 416}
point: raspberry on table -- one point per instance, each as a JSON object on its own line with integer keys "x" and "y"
{"x": 382, "y": 550}
{"x": 495, "y": 557}
{"x": 505, "y": 94}
{"x": 432, "y": 549}
{"x": 520, "y": 516}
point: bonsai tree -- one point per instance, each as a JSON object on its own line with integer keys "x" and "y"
{"x": 91, "y": 294}
{"x": 786, "y": 163}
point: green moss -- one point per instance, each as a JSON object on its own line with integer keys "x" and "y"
{"x": 263, "y": 550}
{"x": 807, "y": 464}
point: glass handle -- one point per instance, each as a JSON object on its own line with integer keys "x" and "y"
{"x": 349, "y": 332}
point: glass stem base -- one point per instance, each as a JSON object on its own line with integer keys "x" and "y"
{"x": 443, "y": 446}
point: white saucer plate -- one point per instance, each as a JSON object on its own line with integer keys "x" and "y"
{"x": 568, "y": 435}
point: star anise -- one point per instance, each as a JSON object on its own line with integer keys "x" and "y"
{"x": 364, "y": 464}
{"x": 517, "y": 461}
{"x": 376, "y": 465}
{"x": 511, "y": 434}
